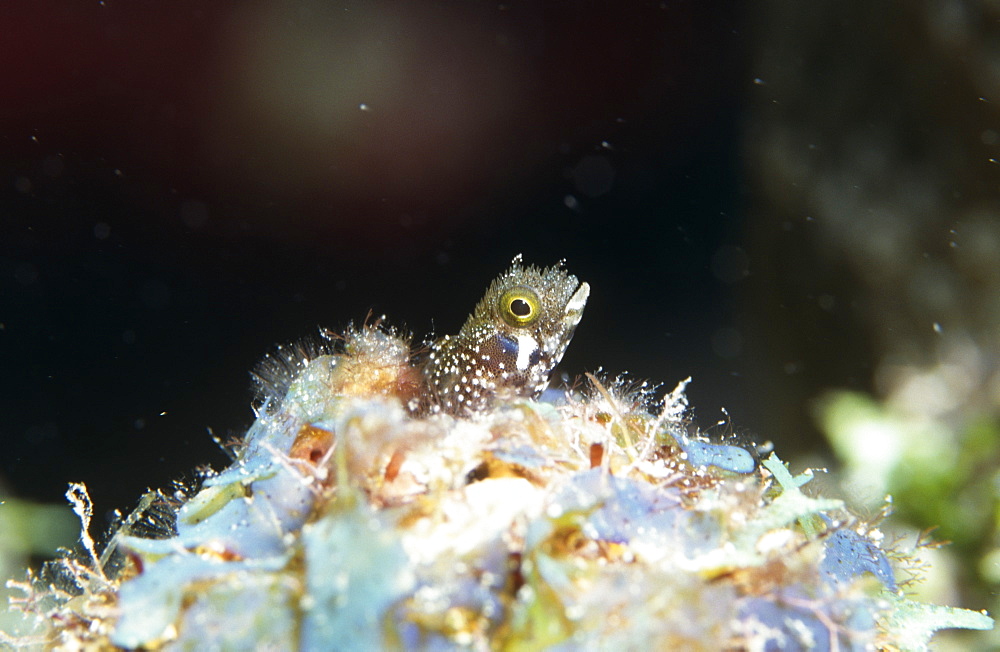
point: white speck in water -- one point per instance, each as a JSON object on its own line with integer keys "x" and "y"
{"x": 363, "y": 106}
{"x": 937, "y": 328}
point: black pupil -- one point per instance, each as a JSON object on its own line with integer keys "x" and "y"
{"x": 520, "y": 307}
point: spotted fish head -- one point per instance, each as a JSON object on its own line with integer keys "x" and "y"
{"x": 511, "y": 342}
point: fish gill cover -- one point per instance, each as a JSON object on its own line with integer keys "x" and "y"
{"x": 383, "y": 501}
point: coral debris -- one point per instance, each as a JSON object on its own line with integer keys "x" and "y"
{"x": 357, "y": 516}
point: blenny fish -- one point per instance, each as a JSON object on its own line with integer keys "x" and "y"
{"x": 511, "y": 342}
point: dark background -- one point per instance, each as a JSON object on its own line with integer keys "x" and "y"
{"x": 183, "y": 186}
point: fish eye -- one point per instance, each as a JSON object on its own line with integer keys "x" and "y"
{"x": 520, "y": 306}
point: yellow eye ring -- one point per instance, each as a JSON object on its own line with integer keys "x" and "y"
{"x": 520, "y": 306}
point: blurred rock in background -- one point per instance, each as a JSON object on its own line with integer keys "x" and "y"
{"x": 874, "y": 161}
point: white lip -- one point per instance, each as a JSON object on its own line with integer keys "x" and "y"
{"x": 574, "y": 308}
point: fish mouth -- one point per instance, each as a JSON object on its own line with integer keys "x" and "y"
{"x": 558, "y": 342}
{"x": 575, "y": 305}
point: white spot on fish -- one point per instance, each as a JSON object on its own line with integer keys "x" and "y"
{"x": 526, "y": 345}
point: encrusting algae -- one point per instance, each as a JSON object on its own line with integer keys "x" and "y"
{"x": 383, "y": 501}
